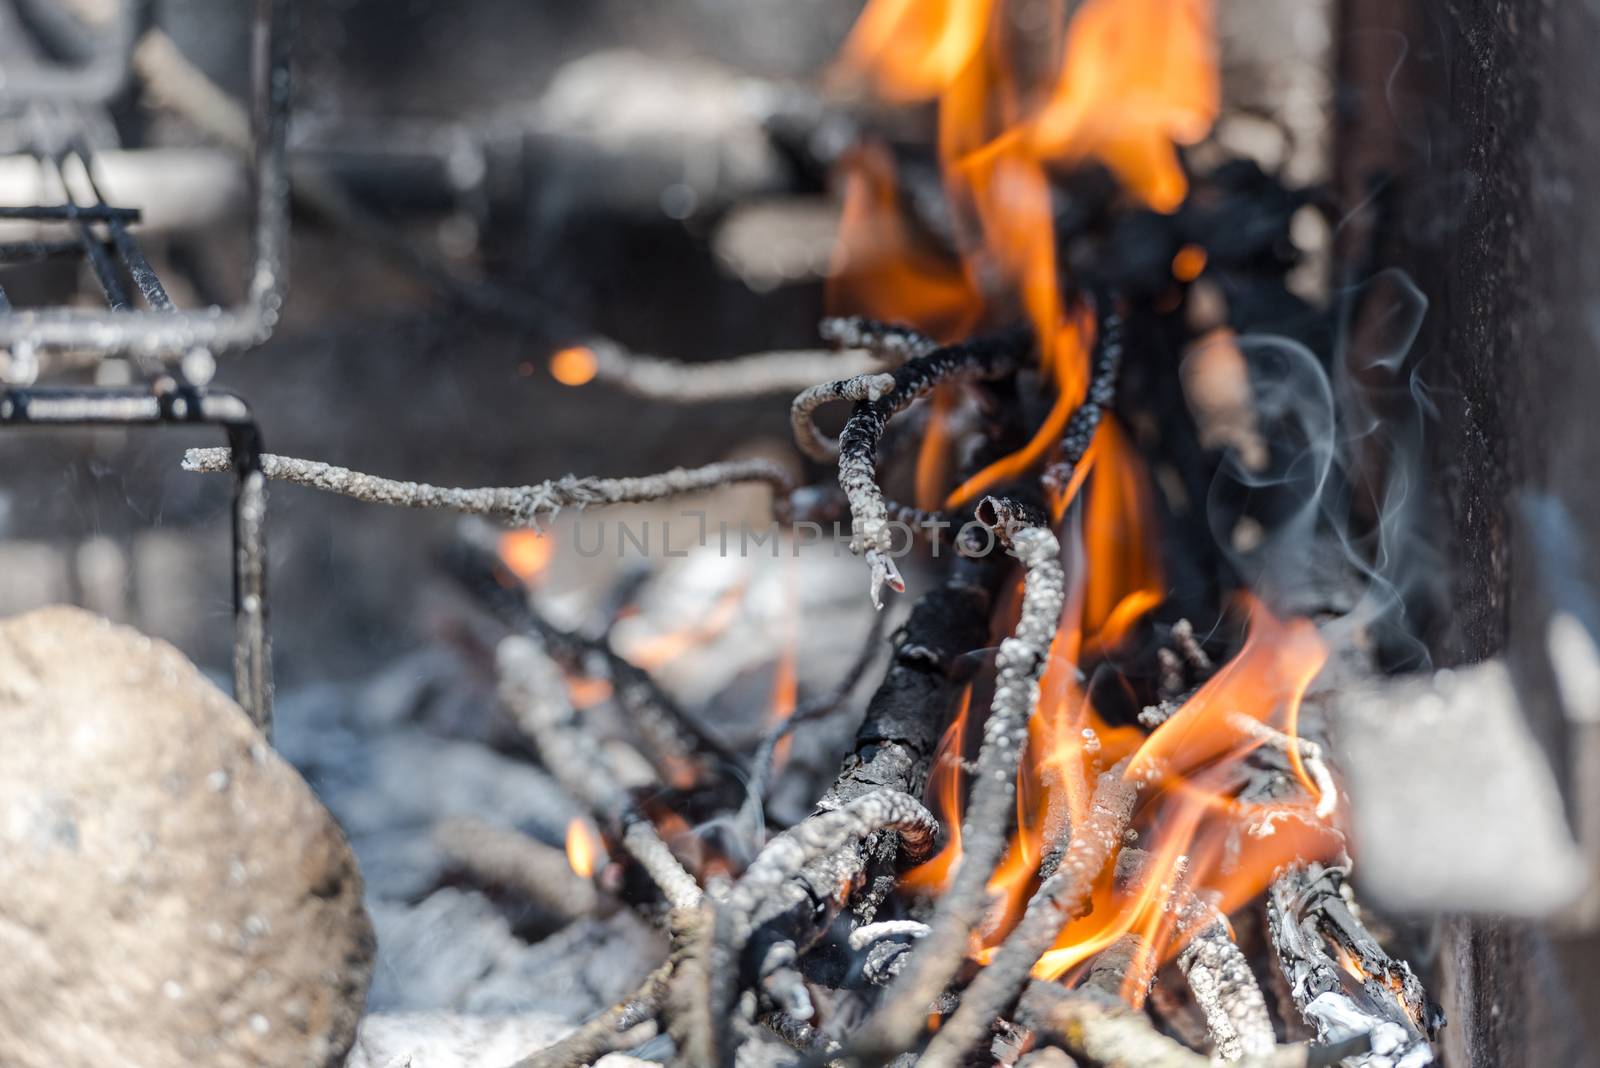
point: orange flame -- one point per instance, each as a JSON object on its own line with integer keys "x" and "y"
{"x": 583, "y": 846}
{"x": 1133, "y": 82}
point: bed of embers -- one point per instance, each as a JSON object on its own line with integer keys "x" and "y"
{"x": 1085, "y": 817}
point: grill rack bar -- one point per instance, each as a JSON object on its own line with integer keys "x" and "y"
{"x": 169, "y": 402}
{"x": 161, "y": 332}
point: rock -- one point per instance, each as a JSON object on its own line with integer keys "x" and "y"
{"x": 171, "y": 893}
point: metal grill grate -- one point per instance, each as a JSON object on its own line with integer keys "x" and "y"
{"x": 140, "y": 320}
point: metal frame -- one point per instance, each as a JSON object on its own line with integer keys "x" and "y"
{"x": 164, "y": 333}
{"x": 157, "y": 333}
{"x": 168, "y": 402}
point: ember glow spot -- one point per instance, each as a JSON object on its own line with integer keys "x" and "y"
{"x": 583, "y": 847}
{"x": 574, "y": 366}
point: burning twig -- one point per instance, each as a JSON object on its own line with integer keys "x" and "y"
{"x": 498, "y": 856}
{"x": 1309, "y": 752}
{"x": 520, "y": 506}
{"x": 1085, "y": 420}
{"x": 1369, "y": 994}
{"x": 755, "y": 375}
{"x": 1060, "y": 899}
{"x": 1020, "y": 664}
{"x": 858, "y": 444}
{"x": 815, "y": 839}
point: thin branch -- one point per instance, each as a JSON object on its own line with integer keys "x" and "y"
{"x": 1102, "y": 1030}
{"x": 756, "y": 375}
{"x": 892, "y": 343}
{"x": 644, "y": 844}
{"x": 1019, "y": 665}
{"x": 872, "y": 535}
{"x": 498, "y": 856}
{"x": 813, "y": 442}
{"x": 519, "y": 506}
{"x": 815, "y": 840}
{"x": 1309, "y": 752}
{"x": 1083, "y": 423}
{"x": 1061, "y": 898}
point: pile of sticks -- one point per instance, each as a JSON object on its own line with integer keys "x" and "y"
{"x": 816, "y": 914}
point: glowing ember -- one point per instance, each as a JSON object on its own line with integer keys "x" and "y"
{"x": 526, "y": 552}
{"x": 584, "y": 848}
{"x": 575, "y": 366}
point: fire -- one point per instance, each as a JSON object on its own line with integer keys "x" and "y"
{"x": 660, "y": 649}
{"x": 1135, "y": 78}
{"x": 526, "y": 552}
{"x": 584, "y": 848}
{"x": 1129, "y": 84}
{"x": 574, "y": 366}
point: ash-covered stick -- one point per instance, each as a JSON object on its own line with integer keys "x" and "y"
{"x": 894, "y": 747}
{"x": 742, "y": 377}
{"x": 893, "y": 343}
{"x": 532, "y": 688}
{"x": 1060, "y": 899}
{"x": 810, "y": 842}
{"x": 1307, "y": 915}
{"x": 872, "y": 535}
{"x": 813, "y": 442}
{"x": 503, "y": 857}
{"x": 518, "y": 506}
{"x": 1101, "y": 1030}
{"x": 676, "y": 739}
{"x": 1019, "y": 665}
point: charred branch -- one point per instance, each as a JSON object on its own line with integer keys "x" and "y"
{"x": 1019, "y": 665}
{"x": 1083, "y": 423}
{"x": 518, "y": 506}
{"x": 858, "y": 444}
{"x": 1311, "y": 924}
{"x": 818, "y": 839}
{"x": 892, "y": 343}
{"x": 676, "y": 739}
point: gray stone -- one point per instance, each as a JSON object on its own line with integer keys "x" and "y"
{"x": 171, "y": 893}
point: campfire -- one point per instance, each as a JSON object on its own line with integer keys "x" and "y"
{"x": 1064, "y": 798}
{"x": 1117, "y": 533}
